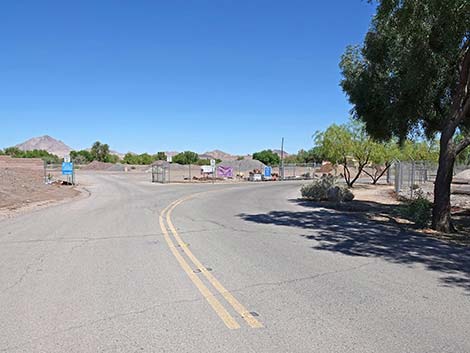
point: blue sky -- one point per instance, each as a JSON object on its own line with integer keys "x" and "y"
{"x": 175, "y": 75}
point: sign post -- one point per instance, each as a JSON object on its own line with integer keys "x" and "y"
{"x": 213, "y": 170}
{"x": 68, "y": 169}
{"x": 268, "y": 173}
{"x": 169, "y": 159}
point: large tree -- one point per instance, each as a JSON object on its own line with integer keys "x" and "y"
{"x": 100, "y": 152}
{"x": 347, "y": 145}
{"x": 267, "y": 157}
{"x": 186, "y": 157}
{"x": 412, "y": 75}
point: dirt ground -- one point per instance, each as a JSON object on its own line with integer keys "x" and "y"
{"x": 21, "y": 188}
{"x": 379, "y": 203}
{"x": 382, "y": 194}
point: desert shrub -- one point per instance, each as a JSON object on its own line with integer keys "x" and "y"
{"x": 418, "y": 210}
{"x": 326, "y": 189}
{"x": 340, "y": 193}
{"x": 318, "y": 189}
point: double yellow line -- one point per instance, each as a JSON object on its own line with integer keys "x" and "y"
{"x": 226, "y": 317}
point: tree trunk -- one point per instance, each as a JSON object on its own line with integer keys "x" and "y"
{"x": 347, "y": 174}
{"x": 441, "y": 213}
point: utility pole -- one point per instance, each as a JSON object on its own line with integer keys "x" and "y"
{"x": 282, "y": 159}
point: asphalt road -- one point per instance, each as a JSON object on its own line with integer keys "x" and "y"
{"x": 141, "y": 267}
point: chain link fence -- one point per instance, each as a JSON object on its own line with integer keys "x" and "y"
{"x": 408, "y": 177}
{"x": 164, "y": 172}
{"x": 300, "y": 171}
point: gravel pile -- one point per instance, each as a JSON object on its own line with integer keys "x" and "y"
{"x": 95, "y": 165}
{"x": 462, "y": 177}
{"x": 244, "y": 166}
{"x": 460, "y": 194}
{"x": 117, "y": 168}
{"x": 102, "y": 166}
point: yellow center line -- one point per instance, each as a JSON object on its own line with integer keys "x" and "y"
{"x": 239, "y": 308}
{"x": 229, "y": 321}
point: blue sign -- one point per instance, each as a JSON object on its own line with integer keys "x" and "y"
{"x": 267, "y": 171}
{"x": 67, "y": 168}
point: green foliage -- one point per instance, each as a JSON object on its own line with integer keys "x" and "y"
{"x": 412, "y": 76}
{"x": 240, "y": 158}
{"x": 326, "y": 189}
{"x": 418, "y": 210}
{"x": 81, "y": 157}
{"x": 403, "y": 77}
{"x": 112, "y": 158}
{"x": 100, "y": 152}
{"x": 381, "y": 159}
{"x": 204, "y": 161}
{"x": 13, "y": 152}
{"x": 347, "y": 145}
{"x": 311, "y": 156}
{"x": 420, "y": 151}
{"x": 130, "y": 158}
{"x": 464, "y": 156}
{"x": 146, "y": 159}
{"x": 267, "y": 157}
{"x": 160, "y": 156}
{"x": 44, "y": 155}
{"x": 186, "y": 157}
{"x": 140, "y": 159}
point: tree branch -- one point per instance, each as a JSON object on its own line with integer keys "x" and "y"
{"x": 461, "y": 104}
{"x": 462, "y": 145}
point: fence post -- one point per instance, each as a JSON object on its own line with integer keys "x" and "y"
{"x": 397, "y": 178}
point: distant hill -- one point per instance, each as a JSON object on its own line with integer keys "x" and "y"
{"x": 46, "y": 143}
{"x": 116, "y": 153}
{"x": 218, "y": 154}
{"x": 278, "y": 152}
{"x": 171, "y": 153}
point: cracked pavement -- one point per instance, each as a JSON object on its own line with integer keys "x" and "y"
{"x": 95, "y": 275}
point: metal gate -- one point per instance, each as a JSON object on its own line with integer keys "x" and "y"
{"x": 160, "y": 174}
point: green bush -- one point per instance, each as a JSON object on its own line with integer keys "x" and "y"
{"x": 15, "y": 152}
{"x": 418, "y": 210}
{"x": 267, "y": 157}
{"x": 186, "y": 157}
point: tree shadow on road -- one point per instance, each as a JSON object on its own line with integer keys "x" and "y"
{"x": 355, "y": 234}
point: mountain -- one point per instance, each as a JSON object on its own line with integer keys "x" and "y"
{"x": 278, "y": 152}
{"x": 218, "y": 154}
{"x": 171, "y": 153}
{"x": 47, "y": 143}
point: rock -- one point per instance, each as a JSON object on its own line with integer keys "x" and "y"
{"x": 335, "y": 194}
{"x": 339, "y": 194}
{"x": 347, "y": 195}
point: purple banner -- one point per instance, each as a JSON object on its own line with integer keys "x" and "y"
{"x": 224, "y": 172}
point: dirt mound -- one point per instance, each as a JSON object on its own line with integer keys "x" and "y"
{"x": 462, "y": 177}
{"x": 117, "y": 168}
{"x": 102, "y": 166}
{"x": 27, "y": 163}
{"x": 20, "y": 187}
